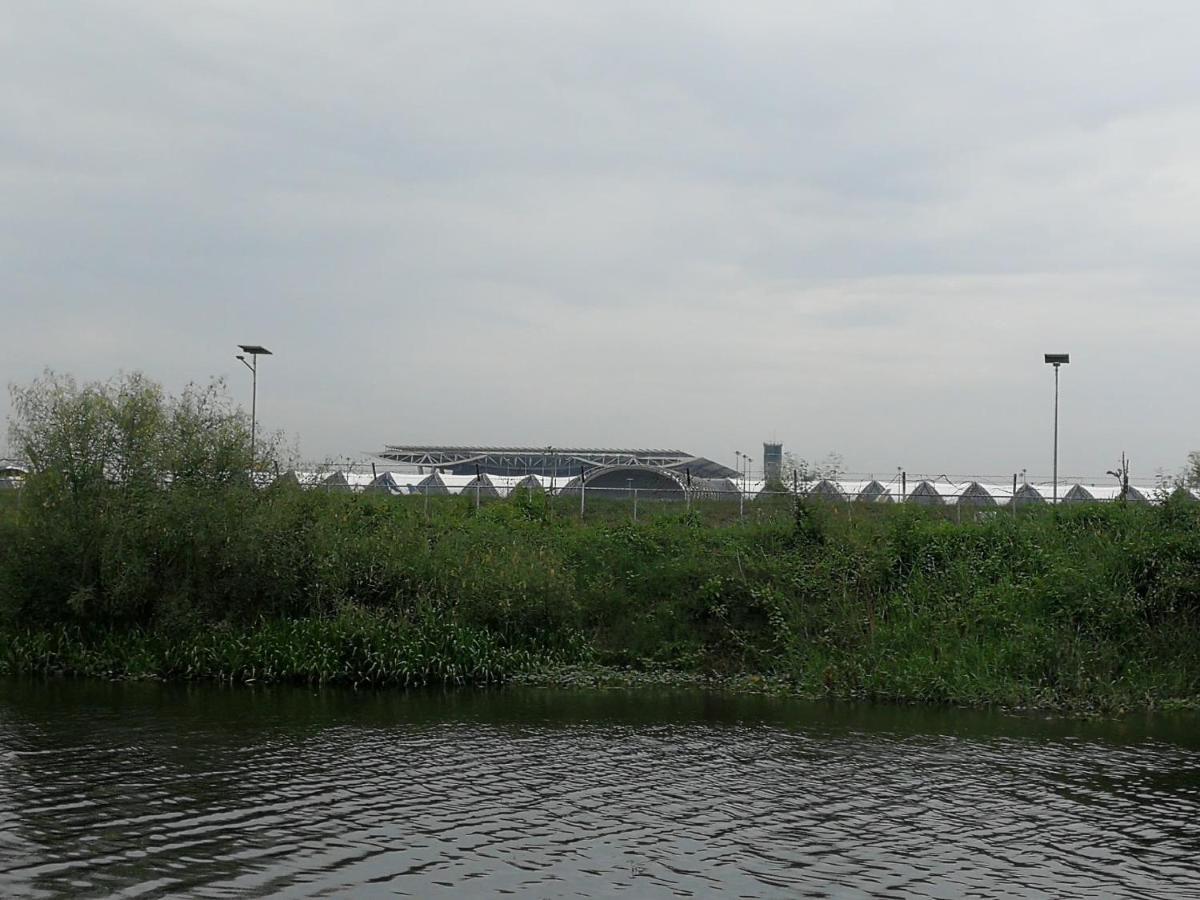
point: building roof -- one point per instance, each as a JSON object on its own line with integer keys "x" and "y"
{"x": 12, "y": 468}
{"x": 546, "y": 460}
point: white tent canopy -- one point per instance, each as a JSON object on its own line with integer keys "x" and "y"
{"x": 924, "y": 494}
{"x": 826, "y": 489}
{"x": 1028, "y": 494}
{"x": 940, "y": 491}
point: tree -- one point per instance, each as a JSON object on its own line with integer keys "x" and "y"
{"x": 830, "y": 466}
{"x": 125, "y": 482}
{"x": 1190, "y": 477}
{"x": 128, "y": 432}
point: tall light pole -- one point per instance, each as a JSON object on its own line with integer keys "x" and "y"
{"x": 254, "y": 351}
{"x": 1056, "y": 360}
{"x": 742, "y": 484}
{"x": 748, "y": 461}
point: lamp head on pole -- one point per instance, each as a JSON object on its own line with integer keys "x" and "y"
{"x": 1057, "y": 359}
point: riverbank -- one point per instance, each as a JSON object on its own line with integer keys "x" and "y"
{"x": 324, "y": 657}
{"x": 1093, "y": 608}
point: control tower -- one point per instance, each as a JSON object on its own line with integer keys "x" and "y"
{"x": 772, "y": 462}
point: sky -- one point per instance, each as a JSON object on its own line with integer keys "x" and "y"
{"x": 851, "y": 227}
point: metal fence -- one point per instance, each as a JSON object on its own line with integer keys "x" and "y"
{"x": 901, "y": 487}
{"x": 747, "y": 495}
{"x": 955, "y": 499}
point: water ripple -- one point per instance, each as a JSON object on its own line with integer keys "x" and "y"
{"x": 149, "y": 792}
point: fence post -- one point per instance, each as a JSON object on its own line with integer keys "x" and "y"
{"x": 1014, "y": 495}
{"x": 903, "y": 486}
{"x": 477, "y": 487}
{"x": 635, "y": 490}
{"x": 582, "y": 488}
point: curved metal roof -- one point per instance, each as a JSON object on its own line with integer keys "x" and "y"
{"x": 544, "y": 460}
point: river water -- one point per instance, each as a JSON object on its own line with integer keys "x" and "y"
{"x": 151, "y": 790}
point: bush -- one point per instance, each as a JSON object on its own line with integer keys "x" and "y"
{"x": 139, "y": 538}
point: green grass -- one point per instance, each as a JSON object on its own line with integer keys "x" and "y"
{"x": 1092, "y": 607}
{"x": 354, "y": 648}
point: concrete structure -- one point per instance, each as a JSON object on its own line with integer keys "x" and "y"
{"x": 772, "y": 462}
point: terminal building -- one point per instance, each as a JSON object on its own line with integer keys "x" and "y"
{"x": 653, "y": 473}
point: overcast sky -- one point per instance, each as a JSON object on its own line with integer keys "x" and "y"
{"x": 849, "y": 226}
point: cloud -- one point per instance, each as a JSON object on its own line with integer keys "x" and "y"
{"x": 853, "y": 227}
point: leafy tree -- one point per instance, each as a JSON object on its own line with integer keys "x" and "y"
{"x": 830, "y": 466}
{"x": 1190, "y": 477}
{"x": 112, "y": 464}
{"x": 127, "y": 432}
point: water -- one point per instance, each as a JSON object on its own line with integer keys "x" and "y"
{"x": 146, "y": 790}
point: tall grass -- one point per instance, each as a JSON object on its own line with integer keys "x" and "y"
{"x": 353, "y": 648}
{"x": 1089, "y": 606}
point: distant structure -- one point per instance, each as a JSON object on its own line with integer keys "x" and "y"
{"x": 12, "y": 473}
{"x": 11, "y": 468}
{"x": 558, "y": 462}
{"x": 653, "y": 474}
{"x": 772, "y": 462}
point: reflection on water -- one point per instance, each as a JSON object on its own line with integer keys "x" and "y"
{"x": 149, "y": 790}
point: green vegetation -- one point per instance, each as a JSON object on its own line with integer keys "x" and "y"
{"x": 182, "y": 570}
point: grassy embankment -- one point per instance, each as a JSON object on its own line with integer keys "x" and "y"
{"x": 1095, "y": 607}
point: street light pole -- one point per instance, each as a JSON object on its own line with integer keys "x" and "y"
{"x": 748, "y": 461}
{"x": 1056, "y": 360}
{"x": 1055, "y": 476}
{"x": 741, "y": 484}
{"x": 254, "y": 351}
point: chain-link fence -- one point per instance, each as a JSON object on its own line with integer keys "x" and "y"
{"x": 642, "y": 493}
{"x": 652, "y": 494}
